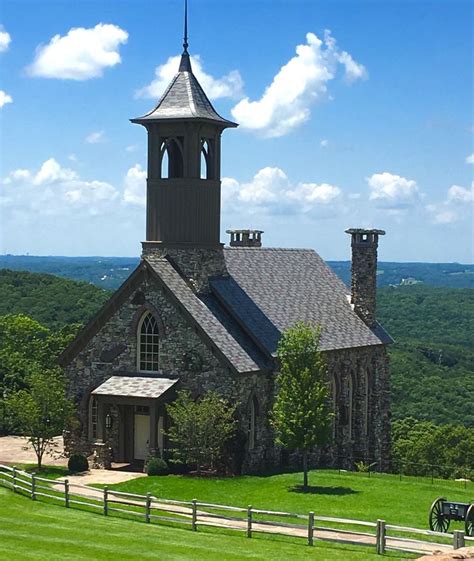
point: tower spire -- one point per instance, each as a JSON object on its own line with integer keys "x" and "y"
{"x": 185, "y": 64}
{"x": 185, "y": 43}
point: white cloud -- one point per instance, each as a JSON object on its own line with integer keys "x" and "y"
{"x": 303, "y": 80}
{"x": 324, "y": 142}
{"x": 470, "y": 159}
{"x": 135, "y": 186}
{"x": 392, "y": 191}
{"x": 95, "y": 137}
{"x": 229, "y": 85}
{"x": 5, "y": 98}
{"x": 81, "y": 54}
{"x": 5, "y": 40}
{"x": 456, "y": 207}
{"x": 52, "y": 190}
{"x": 271, "y": 191}
{"x": 132, "y": 148}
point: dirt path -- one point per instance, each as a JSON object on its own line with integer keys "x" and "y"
{"x": 16, "y": 450}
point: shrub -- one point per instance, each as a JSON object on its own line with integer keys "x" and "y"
{"x": 157, "y": 466}
{"x": 77, "y": 463}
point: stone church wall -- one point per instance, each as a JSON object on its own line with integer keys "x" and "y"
{"x": 184, "y": 355}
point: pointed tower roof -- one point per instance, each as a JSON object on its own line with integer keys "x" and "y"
{"x": 184, "y": 98}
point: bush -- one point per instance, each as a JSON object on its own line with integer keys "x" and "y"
{"x": 157, "y": 466}
{"x": 77, "y": 463}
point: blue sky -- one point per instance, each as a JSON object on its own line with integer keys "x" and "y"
{"x": 351, "y": 114}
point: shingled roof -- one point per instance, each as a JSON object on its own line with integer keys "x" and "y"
{"x": 184, "y": 99}
{"x": 202, "y": 316}
{"x": 269, "y": 290}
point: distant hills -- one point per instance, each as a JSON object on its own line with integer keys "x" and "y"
{"x": 111, "y": 272}
{"x": 431, "y": 361}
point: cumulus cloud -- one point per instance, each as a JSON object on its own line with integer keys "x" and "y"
{"x": 95, "y": 137}
{"x": 272, "y": 192}
{"x": 52, "y": 190}
{"x": 470, "y": 159}
{"x": 81, "y": 54}
{"x": 5, "y": 40}
{"x": 391, "y": 191}
{"x": 5, "y": 98}
{"x": 456, "y": 207}
{"x": 302, "y": 81}
{"x": 229, "y": 85}
{"x": 134, "y": 192}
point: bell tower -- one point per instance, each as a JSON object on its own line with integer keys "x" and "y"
{"x": 184, "y": 172}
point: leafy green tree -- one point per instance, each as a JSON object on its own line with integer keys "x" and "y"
{"x": 200, "y": 429}
{"x": 301, "y": 415}
{"x": 42, "y": 411}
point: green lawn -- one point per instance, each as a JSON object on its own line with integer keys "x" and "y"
{"x": 39, "y": 531}
{"x": 348, "y": 495}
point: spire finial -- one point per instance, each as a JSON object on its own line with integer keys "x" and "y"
{"x": 185, "y": 43}
{"x": 185, "y": 64}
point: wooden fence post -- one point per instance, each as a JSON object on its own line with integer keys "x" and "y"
{"x": 147, "y": 507}
{"x": 380, "y": 538}
{"x": 310, "y": 528}
{"x": 106, "y": 507}
{"x": 458, "y": 539}
{"x": 33, "y": 487}
{"x": 249, "y": 521}
{"x": 14, "y": 478}
{"x": 66, "y": 493}
{"x": 194, "y": 518}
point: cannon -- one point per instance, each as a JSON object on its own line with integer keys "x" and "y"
{"x": 443, "y": 511}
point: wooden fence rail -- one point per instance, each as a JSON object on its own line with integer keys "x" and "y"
{"x": 194, "y": 513}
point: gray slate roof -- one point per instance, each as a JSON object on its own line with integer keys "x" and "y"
{"x": 218, "y": 335}
{"x": 270, "y": 290}
{"x": 184, "y": 99}
{"x": 135, "y": 386}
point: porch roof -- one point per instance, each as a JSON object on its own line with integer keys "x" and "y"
{"x": 135, "y": 386}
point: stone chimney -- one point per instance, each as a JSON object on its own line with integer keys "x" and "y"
{"x": 364, "y": 272}
{"x": 245, "y": 238}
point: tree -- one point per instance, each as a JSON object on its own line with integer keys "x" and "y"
{"x": 200, "y": 429}
{"x": 301, "y": 416}
{"x": 41, "y": 411}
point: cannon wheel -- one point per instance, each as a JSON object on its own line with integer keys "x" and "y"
{"x": 438, "y": 521}
{"x": 470, "y": 521}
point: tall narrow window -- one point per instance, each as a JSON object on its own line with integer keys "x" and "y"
{"x": 93, "y": 412}
{"x": 334, "y": 406}
{"x": 350, "y": 398}
{"x": 207, "y": 158}
{"x": 148, "y": 343}
{"x": 172, "y": 161}
{"x": 366, "y": 402}
{"x": 253, "y": 423}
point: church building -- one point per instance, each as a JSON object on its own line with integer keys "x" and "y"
{"x": 200, "y": 315}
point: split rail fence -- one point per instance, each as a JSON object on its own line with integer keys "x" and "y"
{"x": 309, "y": 526}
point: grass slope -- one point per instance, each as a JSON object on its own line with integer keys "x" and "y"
{"x": 35, "y": 531}
{"x": 349, "y": 495}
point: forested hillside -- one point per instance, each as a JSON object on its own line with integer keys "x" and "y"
{"x": 432, "y": 360}
{"x": 50, "y": 300}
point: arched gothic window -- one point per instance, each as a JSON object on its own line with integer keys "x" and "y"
{"x": 207, "y": 158}
{"x": 148, "y": 338}
{"x": 171, "y": 158}
{"x": 253, "y": 413}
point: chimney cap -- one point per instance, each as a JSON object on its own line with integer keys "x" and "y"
{"x": 245, "y": 237}
{"x": 365, "y": 231}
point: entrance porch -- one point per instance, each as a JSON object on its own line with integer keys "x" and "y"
{"x": 130, "y": 417}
